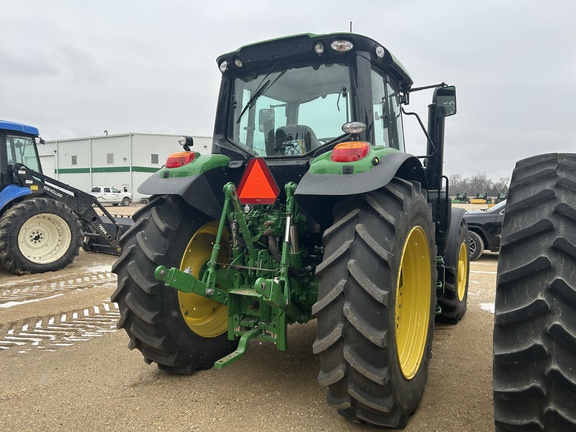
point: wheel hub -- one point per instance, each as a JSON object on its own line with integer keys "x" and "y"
{"x": 44, "y": 238}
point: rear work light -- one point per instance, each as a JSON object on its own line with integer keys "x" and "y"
{"x": 179, "y": 159}
{"x": 341, "y": 45}
{"x": 350, "y": 151}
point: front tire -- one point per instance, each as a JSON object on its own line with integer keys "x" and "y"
{"x": 180, "y": 332}
{"x": 38, "y": 235}
{"x": 454, "y": 300}
{"x": 376, "y": 305}
{"x": 535, "y": 325}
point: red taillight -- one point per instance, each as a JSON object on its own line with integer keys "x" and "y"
{"x": 179, "y": 159}
{"x": 350, "y": 151}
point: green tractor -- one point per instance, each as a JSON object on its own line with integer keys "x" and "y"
{"x": 501, "y": 197}
{"x": 461, "y": 198}
{"x": 308, "y": 208}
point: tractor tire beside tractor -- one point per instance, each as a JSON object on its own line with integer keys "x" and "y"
{"x": 38, "y": 235}
{"x": 535, "y": 315}
{"x": 180, "y": 332}
{"x": 454, "y": 300}
{"x": 375, "y": 306}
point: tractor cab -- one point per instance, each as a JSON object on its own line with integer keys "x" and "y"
{"x": 320, "y": 108}
{"x": 295, "y": 104}
{"x": 17, "y": 145}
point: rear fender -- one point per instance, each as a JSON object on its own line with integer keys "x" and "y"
{"x": 199, "y": 183}
{"x": 317, "y": 193}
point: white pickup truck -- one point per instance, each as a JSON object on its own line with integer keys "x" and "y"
{"x": 109, "y": 194}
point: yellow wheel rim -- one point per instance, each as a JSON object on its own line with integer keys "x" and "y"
{"x": 462, "y": 271}
{"x": 412, "y": 311}
{"x": 205, "y": 317}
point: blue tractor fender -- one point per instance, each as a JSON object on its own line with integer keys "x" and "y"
{"x": 10, "y": 193}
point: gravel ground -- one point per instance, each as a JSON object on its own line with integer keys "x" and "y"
{"x": 93, "y": 382}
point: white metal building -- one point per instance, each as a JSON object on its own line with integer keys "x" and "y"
{"x": 123, "y": 160}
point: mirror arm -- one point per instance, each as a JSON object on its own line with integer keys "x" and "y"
{"x": 425, "y": 133}
{"x": 415, "y": 89}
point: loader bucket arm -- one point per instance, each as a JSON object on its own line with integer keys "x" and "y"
{"x": 80, "y": 202}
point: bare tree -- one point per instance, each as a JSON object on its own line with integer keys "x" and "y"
{"x": 478, "y": 183}
{"x": 458, "y": 184}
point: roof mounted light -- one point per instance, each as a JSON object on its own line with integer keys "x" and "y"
{"x": 319, "y": 48}
{"x": 186, "y": 142}
{"x": 341, "y": 45}
{"x": 238, "y": 62}
{"x": 354, "y": 127}
{"x": 380, "y": 51}
{"x": 223, "y": 66}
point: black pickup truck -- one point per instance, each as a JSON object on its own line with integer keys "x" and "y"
{"x": 484, "y": 227}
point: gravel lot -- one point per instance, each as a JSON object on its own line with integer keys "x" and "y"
{"x": 66, "y": 367}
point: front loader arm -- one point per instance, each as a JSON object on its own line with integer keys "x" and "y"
{"x": 80, "y": 202}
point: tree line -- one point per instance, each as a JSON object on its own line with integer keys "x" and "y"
{"x": 478, "y": 183}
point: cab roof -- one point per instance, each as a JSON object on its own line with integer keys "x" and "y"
{"x": 301, "y": 48}
{"x": 18, "y": 127}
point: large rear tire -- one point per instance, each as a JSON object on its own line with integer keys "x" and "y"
{"x": 180, "y": 332}
{"x": 38, "y": 235}
{"x": 376, "y": 305}
{"x": 535, "y": 314}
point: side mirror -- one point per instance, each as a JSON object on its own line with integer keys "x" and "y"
{"x": 445, "y": 100}
{"x": 265, "y": 120}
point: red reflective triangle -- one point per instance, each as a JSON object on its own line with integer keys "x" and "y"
{"x": 257, "y": 185}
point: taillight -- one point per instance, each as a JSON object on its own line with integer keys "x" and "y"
{"x": 350, "y": 151}
{"x": 179, "y": 159}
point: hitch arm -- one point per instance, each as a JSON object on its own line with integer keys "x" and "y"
{"x": 188, "y": 283}
{"x": 240, "y": 351}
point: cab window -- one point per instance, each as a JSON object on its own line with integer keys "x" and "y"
{"x": 387, "y": 117}
{"x": 20, "y": 149}
{"x": 290, "y": 112}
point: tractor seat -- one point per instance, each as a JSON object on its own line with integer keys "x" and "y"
{"x": 295, "y": 140}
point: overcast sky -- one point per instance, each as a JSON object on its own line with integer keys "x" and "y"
{"x": 76, "y": 68}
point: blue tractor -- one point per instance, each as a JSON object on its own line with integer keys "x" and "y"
{"x": 42, "y": 221}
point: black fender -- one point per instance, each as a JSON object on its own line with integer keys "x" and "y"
{"x": 202, "y": 191}
{"x": 452, "y": 245}
{"x": 317, "y": 194}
